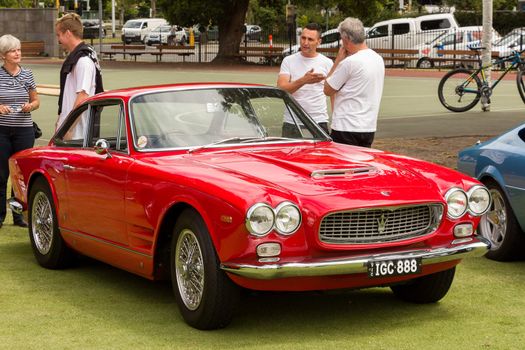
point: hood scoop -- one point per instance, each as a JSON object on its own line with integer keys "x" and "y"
{"x": 344, "y": 173}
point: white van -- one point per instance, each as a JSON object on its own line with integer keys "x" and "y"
{"x": 408, "y": 33}
{"x": 137, "y": 29}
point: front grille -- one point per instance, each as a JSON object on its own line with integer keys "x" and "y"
{"x": 379, "y": 225}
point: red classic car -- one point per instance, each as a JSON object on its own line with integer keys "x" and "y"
{"x": 228, "y": 186}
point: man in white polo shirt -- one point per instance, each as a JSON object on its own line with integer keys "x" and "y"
{"x": 356, "y": 80}
{"x": 302, "y": 74}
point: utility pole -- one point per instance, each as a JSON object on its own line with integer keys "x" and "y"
{"x": 486, "y": 57}
{"x": 153, "y": 8}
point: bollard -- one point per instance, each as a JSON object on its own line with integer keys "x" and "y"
{"x": 192, "y": 37}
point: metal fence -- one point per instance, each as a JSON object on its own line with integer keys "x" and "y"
{"x": 440, "y": 48}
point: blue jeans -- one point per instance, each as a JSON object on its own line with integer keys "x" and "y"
{"x": 12, "y": 140}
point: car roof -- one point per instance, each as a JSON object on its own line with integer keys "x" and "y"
{"x": 132, "y": 91}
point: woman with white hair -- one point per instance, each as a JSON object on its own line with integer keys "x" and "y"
{"x": 18, "y": 98}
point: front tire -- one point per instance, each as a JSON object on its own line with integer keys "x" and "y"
{"x": 458, "y": 91}
{"x": 49, "y": 248}
{"x": 500, "y": 227}
{"x": 426, "y": 289}
{"x": 205, "y": 295}
{"x": 425, "y": 63}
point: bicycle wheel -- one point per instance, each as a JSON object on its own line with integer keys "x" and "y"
{"x": 520, "y": 82}
{"x": 457, "y": 92}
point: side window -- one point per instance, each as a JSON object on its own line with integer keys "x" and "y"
{"x": 108, "y": 123}
{"x": 378, "y": 32}
{"x": 435, "y": 24}
{"x": 72, "y": 134}
{"x": 145, "y": 25}
{"x": 400, "y": 28}
{"x": 449, "y": 39}
{"x": 330, "y": 38}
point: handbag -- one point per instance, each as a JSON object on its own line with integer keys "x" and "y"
{"x": 38, "y": 132}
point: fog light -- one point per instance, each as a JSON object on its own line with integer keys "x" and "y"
{"x": 463, "y": 230}
{"x": 268, "y": 249}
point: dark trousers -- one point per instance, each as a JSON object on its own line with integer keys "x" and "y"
{"x": 363, "y": 139}
{"x": 12, "y": 140}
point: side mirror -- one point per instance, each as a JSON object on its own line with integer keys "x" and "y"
{"x": 102, "y": 147}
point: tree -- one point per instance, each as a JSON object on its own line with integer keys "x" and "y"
{"x": 229, "y": 15}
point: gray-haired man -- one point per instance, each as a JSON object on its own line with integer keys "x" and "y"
{"x": 356, "y": 80}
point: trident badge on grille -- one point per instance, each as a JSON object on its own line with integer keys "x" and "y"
{"x": 381, "y": 223}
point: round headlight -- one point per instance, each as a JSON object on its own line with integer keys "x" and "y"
{"x": 287, "y": 218}
{"x": 456, "y": 203}
{"x": 478, "y": 200}
{"x": 260, "y": 219}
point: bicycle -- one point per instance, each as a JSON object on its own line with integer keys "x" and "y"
{"x": 457, "y": 92}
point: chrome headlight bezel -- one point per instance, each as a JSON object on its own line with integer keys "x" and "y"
{"x": 451, "y": 195}
{"x": 287, "y": 206}
{"x": 471, "y": 193}
{"x": 249, "y": 222}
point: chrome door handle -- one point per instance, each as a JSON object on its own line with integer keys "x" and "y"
{"x": 69, "y": 167}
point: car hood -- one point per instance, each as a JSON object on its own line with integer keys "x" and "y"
{"x": 313, "y": 171}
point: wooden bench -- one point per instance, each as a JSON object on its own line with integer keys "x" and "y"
{"x": 267, "y": 52}
{"x": 401, "y": 55}
{"x": 33, "y": 48}
{"x": 180, "y": 50}
{"x": 132, "y": 50}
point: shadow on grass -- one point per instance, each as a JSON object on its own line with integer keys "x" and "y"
{"x": 102, "y": 291}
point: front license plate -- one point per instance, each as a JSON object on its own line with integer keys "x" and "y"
{"x": 396, "y": 267}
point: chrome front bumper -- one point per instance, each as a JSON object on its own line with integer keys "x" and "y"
{"x": 458, "y": 249}
{"x": 15, "y": 205}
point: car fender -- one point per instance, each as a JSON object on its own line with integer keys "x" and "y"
{"x": 32, "y": 178}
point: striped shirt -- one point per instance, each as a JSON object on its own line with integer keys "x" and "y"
{"x": 14, "y": 92}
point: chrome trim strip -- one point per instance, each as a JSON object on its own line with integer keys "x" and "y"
{"x": 106, "y": 243}
{"x": 354, "y": 265}
{"x": 318, "y": 174}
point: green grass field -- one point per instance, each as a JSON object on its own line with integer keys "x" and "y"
{"x": 95, "y": 306}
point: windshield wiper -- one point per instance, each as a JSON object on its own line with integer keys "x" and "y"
{"x": 228, "y": 140}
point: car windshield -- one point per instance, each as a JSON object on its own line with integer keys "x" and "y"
{"x": 199, "y": 118}
{"x": 162, "y": 29}
{"x": 132, "y": 25}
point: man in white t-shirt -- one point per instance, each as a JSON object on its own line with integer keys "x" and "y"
{"x": 80, "y": 72}
{"x": 302, "y": 74}
{"x": 356, "y": 80}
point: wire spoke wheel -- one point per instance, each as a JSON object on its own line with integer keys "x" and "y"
{"x": 42, "y": 223}
{"x": 189, "y": 269}
{"x": 458, "y": 91}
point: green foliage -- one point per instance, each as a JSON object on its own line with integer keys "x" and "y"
{"x": 477, "y": 5}
{"x": 16, "y": 3}
{"x": 503, "y": 22}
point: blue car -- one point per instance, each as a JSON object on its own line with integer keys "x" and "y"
{"x": 500, "y": 164}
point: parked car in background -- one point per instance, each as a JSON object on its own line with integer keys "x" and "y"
{"x": 198, "y": 183}
{"x": 136, "y": 30}
{"x": 500, "y": 164}
{"x": 330, "y": 38}
{"x": 252, "y": 32}
{"x": 158, "y": 35}
{"x": 91, "y": 29}
{"x": 408, "y": 33}
{"x": 514, "y": 40}
{"x": 462, "y": 38}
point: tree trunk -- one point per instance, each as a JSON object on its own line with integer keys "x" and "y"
{"x": 230, "y": 32}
